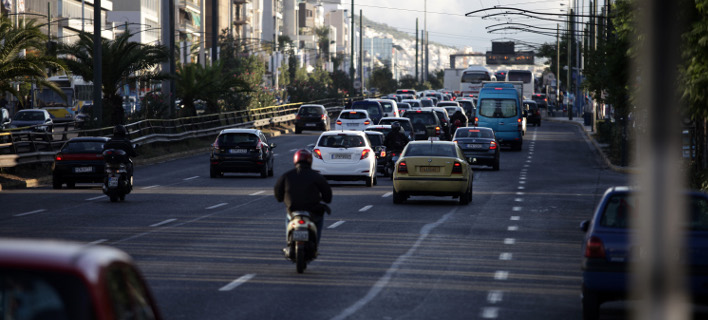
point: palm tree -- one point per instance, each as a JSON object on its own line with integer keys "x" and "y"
{"x": 209, "y": 83}
{"x": 121, "y": 61}
{"x": 33, "y": 66}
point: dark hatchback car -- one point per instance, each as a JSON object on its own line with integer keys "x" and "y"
{"x": 241, "y": 150}
{"x": 607, "y": 249}
{"x": 533, "y": 113}
{"x": 377, "y": 142}
{"x": 426, "y": 124}
{"x": 540, "y": 99}
{"x": 59, "y": 280}
{"x": 79, "y": 160}
{"x": 312, "y": 117}
{"x": 479, "y": 145}
{"x": 374, "y": 108}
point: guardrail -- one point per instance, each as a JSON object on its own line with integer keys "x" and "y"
{"x": 23, "y": 146}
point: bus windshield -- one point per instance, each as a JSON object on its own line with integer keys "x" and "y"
{"x": 475, "y": 77}
{"x": 520, "y": 76}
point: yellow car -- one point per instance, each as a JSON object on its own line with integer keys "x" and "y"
{"x": 435, "y": 168}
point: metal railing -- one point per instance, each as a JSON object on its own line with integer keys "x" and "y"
{"x": 24, "y": 146}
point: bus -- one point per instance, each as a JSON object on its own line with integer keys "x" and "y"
{"x": 77, "y": 91}
{"x": 471, "y": 80}
{"x": 524, "y": 76}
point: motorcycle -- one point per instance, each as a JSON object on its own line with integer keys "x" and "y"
{"x": 116, "y": 181}
{"x": 390, "y": 165}
{"x": 302, "y": 238}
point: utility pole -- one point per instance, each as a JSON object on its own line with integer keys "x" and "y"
{"x": 558, "y": 73}
{"x": 351, "y": 64}
{"x": 568, "y": 85}
{"x": 202, "y": 38}
{"x": 361, "y": 51}
{"x": 416, "y": 50}
{"x": 214, "y": 30}
{"x": 425, "y": 41}
{"x": 97, "y": 65}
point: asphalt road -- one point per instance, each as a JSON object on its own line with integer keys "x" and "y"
{"x": 210, "y": 248}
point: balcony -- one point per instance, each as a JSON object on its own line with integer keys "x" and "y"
{"x": 190, "y": 4}
{"x": 241, "y": 1}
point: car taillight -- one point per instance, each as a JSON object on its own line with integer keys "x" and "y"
{"x": 437, "y": 130}
{"x": 367, "y": 122}
{"x": 594, "y": 248}
{"x": 520, "y": 126}
{"x": 58, "y": 157}
{"x": 402, "y": 167}
{"x": 317, "y": 153}
{"x": 301, "y": 221}
{"x": 383, "y": 153}
{"x": 323, "y": 116}
{"x": 476, "y": 120}
{"x": 492, "y": 145}
{"x": 339, "y": 122}
{"x": 457, "y": 168}
{"x": 365, "y": 154}
{"x": 297, "y": 117}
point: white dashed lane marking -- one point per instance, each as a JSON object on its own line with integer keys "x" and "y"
{"x": 162, "y": 223}
{"x": 237, "y": 282}
{"x": 366, "y": 208}
{"x": 256, "y": 193}
{"x": 387, "y": 194}
{"x": 191, "y": 178}
{"x": 505, "y": 256}
{"x": 509, "y": 241}
{"x": 501, "y": 275}
{"x": 29, "y": 213}
{"x": 96, "y": 198}
{"x": 515, "y": 218}
{"x": 495, "y": 296}
{"x": 217, "y": 205}
{"x": 513, "y": 228}
{"x": 490, "y": 312}
{"x": 336, "y": 224}
{"x": 516, "y": 208}
{"x": 150, "y": 187}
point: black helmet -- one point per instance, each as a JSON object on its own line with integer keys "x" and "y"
{"x": 302, "y": 155}
{"x": 396, "y": 126}
{"x": 120, "y": 131}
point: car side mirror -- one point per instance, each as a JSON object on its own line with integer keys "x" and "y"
{"x": 272, "y": 145}
{"x": 48, "y": 121}
{"x": 585, "y": 225}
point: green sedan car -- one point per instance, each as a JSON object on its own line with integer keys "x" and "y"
{"x": 432, "y": 168}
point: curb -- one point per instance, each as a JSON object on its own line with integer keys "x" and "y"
{"x": 13, "y": 184}
{"x": 608, "y": 163}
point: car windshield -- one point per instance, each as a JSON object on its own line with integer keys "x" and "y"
{"x": 352, "y": 115}
{"x": 83, "y": 147}
{"x": 425, "y": 118}
{"x": 29, "y": 116}
{"x": 375, "y": 139}
{"x": 341, "y": 141}
{"x": 530, "y": 106}
{"x": 430, "y": 150}
{"x": 427, "y": 103}
{"x": 497, "y": 108}
{"x": 236, "y": 139}
{"x": 311, "y": 111}
{"x": 620, "y": 209}
{"x": 474, "y": 133}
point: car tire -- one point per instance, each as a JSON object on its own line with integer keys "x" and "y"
{"x": 466, "y": 198}
{"x": 591, "y": 305}
{"x": 298, "y": 130}
{"x": 398, "y": 198}
{"x": 213, "y": 173}
{"x": 264, "y": 170}
{"x": 122, "y": 197}
{"x": 370, "y": 181}
{"x": 270, "y": 170}
{"x": 56, "y": 182}
{"x": 495, "y": 166}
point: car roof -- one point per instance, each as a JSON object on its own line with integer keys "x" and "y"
{"x": 372, "y": 132}
{"x": 475, "y": 128}
{"x": 252, "y": 131}
{"x": 410, "y": 100}
{"x": 383, "y": 126}
{"x": 431, "y": 141}
{"x": 312, "y": 105}
{"x": 79, "y": 139}
{"x": 339, "y": 132}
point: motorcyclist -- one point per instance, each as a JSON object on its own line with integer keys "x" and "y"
{"x": 121, "y": 141}
{"x": 395, "y": 140}
{"x": 304, "y": 189}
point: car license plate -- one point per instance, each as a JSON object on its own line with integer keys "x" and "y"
{"x": 310, "y": 124}
{"x": 352, "y": 124}
{"x": 83, "y": 169}
{"x": 475, "y": 146}
{"x": 301, "y": 235}
{"x": 238, "y": 150}
{"x": 429, "y": 169}
{"x": 346, "y": 156}
{"x": 113, "y": 182}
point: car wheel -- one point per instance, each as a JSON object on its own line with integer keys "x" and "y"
{"x": 466, "y": 197}
{"x": 495, "y": 166}
{"x": 376, "y": 180}
{"x": 370, "y": 181}
{"x": 213, "y": 173}
{"x": 264, "y": 170}
{"x": 122, "y": 197}
{"x": 298, "y": 130}
{"x": 71, "y": 185}
{"x": 398, "y": 198}
{"x": 56, "y": 182}
{"x": 591, "y": 305}
{"x": 270, "y": 170}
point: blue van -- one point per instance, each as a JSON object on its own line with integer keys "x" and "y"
{"x": 374, "y": 108}
{"x": 500, "y": 109}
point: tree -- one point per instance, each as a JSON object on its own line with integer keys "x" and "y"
{"x": 123, "y": 61}
{"x": 247, "y": 70}
{"x": 32, "y": 66}
{"x": 382, "y": 78}
{"x": 322, "y": 34}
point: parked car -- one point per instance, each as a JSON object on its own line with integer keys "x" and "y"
{"x": 433, "y": 168}
{"x": 38, "y": 120}
{"x": 312, "y": 117}
{"x": 533, "y": 112}
{"x": 353, "y": 120}
{"x": 52, "y": 279}
{"x": 406, "y": 124}
{"x": 373, "y": 108}
{"x": 345, "y": 156}
{"x": 426, "y": 124}
{"x": 79, "y": 160}
{"x": 607, "y": 249}
{"x": 241, "y": 150}
{"x": 479, "y": 145}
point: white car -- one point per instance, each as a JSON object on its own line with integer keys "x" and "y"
{"x": 353, "y": 120}
{"x": 346, "y": 156}
{"x": 415, "y": 103}
{"x": 390, "y": 107}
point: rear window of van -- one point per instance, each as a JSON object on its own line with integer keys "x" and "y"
{"x": 497, "y": 108}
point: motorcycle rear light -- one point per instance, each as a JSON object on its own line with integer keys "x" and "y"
{"x": 215, "y": 162}
{"x": 317, "y": 153}
{"x": 594, "y": 248}
{"x": 58, "y": 157}
{"x": 323, "y": 116}
{"x": 492, "y": 145}
{"x": 402, "y": 167}
{"x": 301, "y": 221}
{"x": 437, "y": 130}
{"x": 365, "y": 154}
{"x": 383, "y": 154}
{"x": 457, "y": 168}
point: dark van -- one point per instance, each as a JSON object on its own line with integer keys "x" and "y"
{"x": 374, "y": 109}
{"x": 500, "y": 110}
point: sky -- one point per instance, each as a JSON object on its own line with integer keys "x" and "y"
{"x": 448, "y": 25}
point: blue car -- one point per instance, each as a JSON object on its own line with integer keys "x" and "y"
{"x": 607, "y": 248}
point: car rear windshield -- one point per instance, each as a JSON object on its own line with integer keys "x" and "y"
{"x": 404, "y": 124}
{"x": 29, "y": 116}
{"x": 475, "y": 77}
{"x": 414, "y": 104}
{"x": 310, "y": 111}
{"x": 383, "y": 130}
{"x": 474, "y": 133}
{"x": 427, "y": 103}
{"x": 375, "y": 139}
{"x": 341, "y": 141}
{"x": 371, "y": 107}
{"x": 403, "y": 105}
{"x": 425, "y": 118}
{"x": 237, "y": 139}
{"x": 530, "y": 106}
{"x": 620, "y": 209}
{"x": 430, "y": 150}
{"x": 83, "y": 147}
{"x": 497, "y": 108}
{"x": 387, "y": 106}
{"x": 352, "y": 115}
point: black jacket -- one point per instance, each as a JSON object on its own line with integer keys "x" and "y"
{"x": 303, "y": 189}
{"x": 122, "y": 144}
{"x": 395, "y": 141}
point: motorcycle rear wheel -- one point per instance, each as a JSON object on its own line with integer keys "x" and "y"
{"x": 300, "y": 263}
{"x": 114, "y": 198}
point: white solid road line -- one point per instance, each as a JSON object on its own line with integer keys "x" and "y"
{"x": 387, "y": 194}
{"x": 97, "y": 242}
{"x": 217, "y": 205}
{"x": 150, "y": 187}
{"x": 516, "y": 208}
{"x": 96, "y": 198}
{"x": 163, "y": 222}
{"x": 191, "y": 178}
{"x": 512, "y": 228}
{"x": 256, "y": 193}
{"x": 29, "y": 213}
{"x": 336, "y": 224}
{"x": 490, "y": 312}
{"x": 505, "y": 256}
{"x": 366, "y": 208}
{"x": 515, "y": 218}
{"x": 237, "y": 282}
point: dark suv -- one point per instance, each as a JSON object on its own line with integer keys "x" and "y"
{"x": 374, "y": 108}
{"x": 241, "y": 150}
{"x": 533, "y": 112}
{"x": 426, "y": 124}
{"x": 311, "y": 117}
